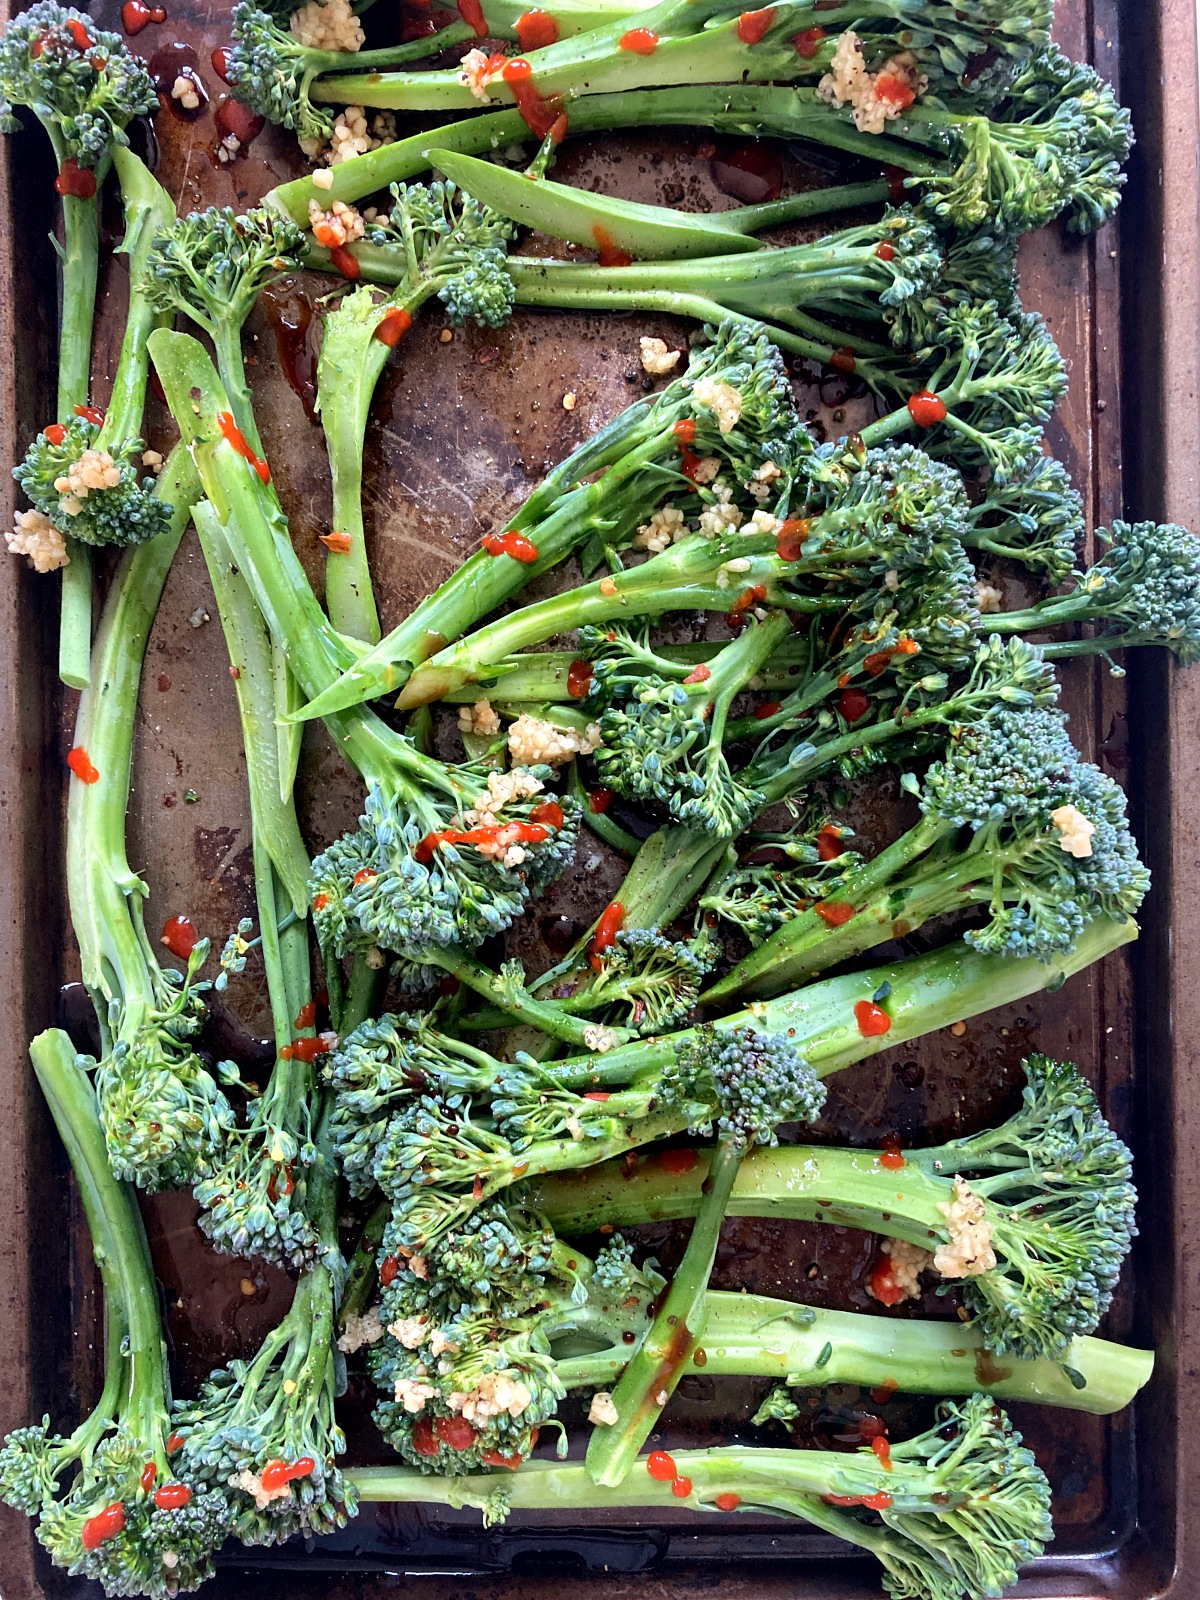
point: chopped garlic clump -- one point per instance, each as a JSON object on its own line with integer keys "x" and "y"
{"x": 1074, "y": 831}
{"x": 35, "y": 536}
{"x": 657, "y": 357}
{"x": 969, "y": 1251}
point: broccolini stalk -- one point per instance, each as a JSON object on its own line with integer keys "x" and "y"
{"x": 84, "y": 87}
{"x": 1144, "y": 589}
{"x": 130, "y": 1518}
{"x": 684, "y": 43}
{"x": 252, "y": 1201}
{"x": 453, "y": 248}
{"x": 121, "y": 508}
{"x": 962, "y": 1508}
{"x": 1034, "y": 517}
{"x": 639, "y": 448}
{"x": 164, "y": 1117}
{"x": 1034, "y": 1217}
{"x": 263, "y": 1431}
{"x": 1048, "y": 848}
{"x": 446, "y": 855}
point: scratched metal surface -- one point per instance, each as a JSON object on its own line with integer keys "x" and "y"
{"x": 460, "y": 431}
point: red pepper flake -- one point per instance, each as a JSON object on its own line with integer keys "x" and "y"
{"x": 424, "y": 1440}
{"x": 392, "y": 326}
{"x": 92, "y": 414}
{"x": 611, "y": 254}
{"x": 599, "y": 801}
{"x": 180, "y": 936}
{"x": 234, "y": 437}
{"x": 829, "y": 843}
{"x": 769, "y": 708}
{"x": 307, "y": 1015}
{"x": 926, "y": 408}
{"x": 842, "y": 359}
{"x": 76, "y": 181}
{"x": 853, "y": 704}
{"x": 549, "y": 813}
{"x": 149, "y": 1473}
{"x": 172, "y": 1496}
{"x": 661, "y": 1466}
{"x": 835, "y": 913}
{"x": 456, "y": 1432}
{"x": 882, "y": 1450}
{"x": 512, "y": 544}
{"x": 641, "y": 41}
{"x": 886, "y": 251}
{"x": 345, "y": 263}
{"x": 579, "y": 679}
{"x": 753, "y": 25}
{"x": 535, "y": 30}
{"x": 390, "y": 1270}
{"x": 792, "y": 537}
{"x": 681, "y": 1488}
{"x": 700, "y": 674}
{"x": 542, "y": 114}
{"x": 80, "y": 764}
{"x": 727, "y": 1501}
{"x": 677, "y": 1163}
{"x": 471, "y": 11}
{"x": 338, "y": 544}
{"x": 104, "y": 1525}
{"x": 605, "y": 935}
{"x": 890, "y": 1156}
{"x": 873, "y": 1022}
{"x": 808, "y": 43}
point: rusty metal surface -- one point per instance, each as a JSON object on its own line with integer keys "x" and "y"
{"x": 460, "y": 431}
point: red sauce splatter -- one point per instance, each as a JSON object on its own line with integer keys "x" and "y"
{"x": 337, "y": 544}
{"x": 873, "y": 1502}
{"x": 873, "y": 1022}
{"x": 751, "y": 173}
{"x": 345, "y": 263}
{"x": 890, "y": 1156}
{"x": 136, "y": 15}
{"x": 535, "y": 30}
{"x": 641, "y": 41}
{"x": 234, "y": 119}
{"x": 175, "y": 1442}
{"x": 836, "y": 913}
{"x": 599, "y": 801}
{"x": 92, "y": 414}
{"x": 753, "y": 25}
{"x": 472, "y": 14}
{"x": 894, "y": 91}
{"x": 55, "y": 434}
{"x": 886, "y": 251}
{"x": 808, "y": 43}
{"x": 842, "y": 359}
{"x": 791, "y": 538}
{"x": 753, "y": 596}
{"x": 853, "y": 704}
{"x": 220, "y": 62}
{"x": 700, "y": 674}
{"x": 769, "y": 708}
{"x": 321, "y": 901}
{"x": 234, "y": 437}
{"x": 727, "y": 1501}
{"x": 149, "y": 1473}
{"x": 180, "y": 936}
{"x": 390, "y": 1270}
{"x": 80, "y": 764}
{"x": 579, "y": 679}
{"x": 884, "y": 1392}
{"x": 661, "y": 1466}
{"x": 83, "y": 39}
{"x": 278, "y": 1473}
{"x": 681, "y": 1488}
{"x": 424, "y": 1440}
{"x": 606, "y": 932}
{"x": 307, "y": 1050}
{"x": 542, "y": 114}
{"x": 499, "y": 835}
{"x": 307, "y": 1015}
{"x": 882, "y": 1450}
{"x": 74, "y": 180}
{"x": 871, "y": 1427}
{"x": 290, "y": 314}
{"x": 829, "y": 843}
{"x": 611, "y": 255}
{"x": 877, "y": 662}
{"x": 598, "y": 1096}
{"x": 493, "y": 1458}
{"x": 512, "y": 544}
{"x": 104, "y": 1525}
{"x": 677, "y": 1163}
{"x": 926, "y": 409}
{"x": 456, "y": 1432}
{"x": 685, "y": 433}
{"x": 393, "y": 325}
{"x": 172, "y": 1496}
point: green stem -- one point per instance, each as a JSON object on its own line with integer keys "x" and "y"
{"x": 80, "y": 267}
{"x": 661, "y": 1359}
{"x": 516, "y": 1005}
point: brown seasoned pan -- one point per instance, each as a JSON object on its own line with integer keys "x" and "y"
{"x": 462, "y": 427}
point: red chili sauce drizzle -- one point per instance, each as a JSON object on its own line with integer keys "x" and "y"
{"x": 542, "y": 114}
{"x": 752, "y": 26}
{"x": 80, "y": 764}
{"x": 232, "y": 117}
{"x": 512, "y": 544}
{"x": 76, "y": 181}
{"x": 180, "y": 937}
{"x": 345, "y": 263}
{"x": 640, "y": 41}
{"x": 290, "y": 314}
{"x": 926, "y": 409}
{"x": 599, "y": 801}
{"x": 677, "y": 1163}
{"x": 853, "y": 704}
{"x": 172, "y": 1497}
{"x": 472, "y": 14}
{"x": 136, "y": 15}
{"x": 700, "y": 674}
{"x": 886, "y": 251}
{"x": 808, "y": 43}
{"x": 500, "y": 835}
{"x": 104, "y": 1525}
{"x": 535, "y": 30}
{"x": 829, "y": 843}
{"x": 92, "y": 414}
{"x": 579, "y": 679}
{"x": 220, "y": 62}
{"x": 278, "y": 1473}
{"x": 890, "y": 1157}
{"x": 685, "y": 434}
{"x": 769, "y": 708}
{"x": 751, "y": 173}
{"x": 307, "y": 1050}
{"x": 234, "y": 436}
{"x": 873, "y": 1022}
{"x": 338, "y": 543}
{"x": 392, "y": 327}
{"x": 611, "y": 254}
{"x": 661, "y": 1466}
{"x": 834, "y": 913}
{"x": 753, "y": 596}
{"x": 606, "y": 932}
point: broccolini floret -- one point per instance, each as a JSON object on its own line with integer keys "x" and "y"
{"x": 1034, "y": 516}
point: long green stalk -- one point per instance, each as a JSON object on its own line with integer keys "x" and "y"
{"x": 80, "y": 259}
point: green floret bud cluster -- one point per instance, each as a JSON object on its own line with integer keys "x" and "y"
{"x": 248, "y": 1199}
{"x": 655, "y": 980}
{"x": 759, "y": 896}
{"x": 84, "y": 92}
{"x": 1147, "y": 582}
{"x": 270, "y": 69}
{"x": 1035, "y": 517}
{"x": 892, "y": 507}
{"x": 29, "y": 1467}
{"x": 457, "y": 246}
{"x": 754, "y": 1081}
{"x": 211, "y": 264}
{"x": 127, "y": 512}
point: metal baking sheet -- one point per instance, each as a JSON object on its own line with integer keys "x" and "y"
{"x": 460, "y": 431}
